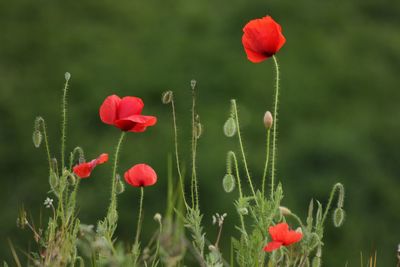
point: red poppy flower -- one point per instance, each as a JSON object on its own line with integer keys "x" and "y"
{"x": 84, "y": 170}
{"x": 140, "y": 175}
{"x": 282, "y": 236}
{"x": 262, "y": 38}
{"x": 125, "y": 113}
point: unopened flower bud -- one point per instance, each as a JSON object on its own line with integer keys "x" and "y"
{"x": 284, "y": 211}
{"x": 37, "y": 138}
{"x": 299, "y": 230}
{"x": 120, "y": 186}
{"x": 243, "y": 211}
{"x": 157, "y": 217}
{"x": 67, "y": 76}
{"x": 193, "y": 84}
{"x": 167, "y": 97}
{"x": 230, "y": 127}
{"x": 338, "y": 217}
{"x": 228, "y": 183}
{"x": 198, "y": 130}
{"x": 268, "y": 120}
{"x": 53, "y": 180}
{"x": 212, "y": 248}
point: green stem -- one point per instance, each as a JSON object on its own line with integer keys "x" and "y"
{"x": 114, "y": 172}
{"x": 266, "y": 161}
{"x": 242, "y": 149}
{"x": 64, "y": 123}
{"x": 139, "y": 223}
{"x": 46, "y": 142}
{"x": 194, "y": 187}
{"x": 275, "y": 125}
{"x": 158, "y": 245}
{"x": 339, "y": 188}
{"x": 177, "y": 153}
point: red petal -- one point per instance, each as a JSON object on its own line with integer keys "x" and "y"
{"x": 279, "y": 231}
{"x": 129, "y": 106}
{"x": 271, "y": 246}
{"x": 109, "y": 109}
{"x": 140, "y": 175}
{"x": 136, "y": 123}
{"x": 102, "y": 158}
{"x": 292, "y": 237}
{"x": 83, "y": 170}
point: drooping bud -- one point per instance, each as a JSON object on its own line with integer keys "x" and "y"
{"x": 157, "y": 217}
{"x": 167, "y": 97}
{"x": 338, "y": 217}
{"x": 268, "y": 120}
{"x": 230, "y": 127}
{"x": 67, "y": 76}
{"x": 120, "y": 186}
{"x": 228, "y": 183}
{"x": 37, "y": 138}
{"x": 284, "y": 211}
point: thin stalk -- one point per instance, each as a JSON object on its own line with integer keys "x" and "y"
{"x": 158, "y": 245}
{"x": 177, "y": 153}
{"x": 266, "y": 160}
{"x": 46, "y": 142}
{"x": 64, "y": 123}
{"x": 139, "y": 223}
{"x": 275, "y": 125}
{"x": 242, "y": 149}
{"x": 337, "y": 187}
{"x": 194, "y": 189}
{"x": 114, "y": 172}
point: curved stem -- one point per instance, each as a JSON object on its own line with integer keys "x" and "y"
{"x": 177, "y": 153}
{"x": 139, "y": 223}
{"x": 242, "y": 149}
{"x": 64, "y": 123}
{"x": 336, "y": 188}
{"x": 275, "y": 125}
{"x": 114, "y": 172}
{"x": 266, "y": 161}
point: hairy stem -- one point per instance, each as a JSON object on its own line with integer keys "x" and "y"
{"x": 266, "y": 161}
{"x": 64, "y": 124}
{"x": 336, "y": 188}
{"x": 275, "y": 125}
{"x": 139, "y": 223}
{"x": 194, "y": 186}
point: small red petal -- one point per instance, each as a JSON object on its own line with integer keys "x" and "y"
{"x": 273, "y": 245}
{"x": 83, "y": 170}
{"x": 140, "y": 175}
{"x": 135, "y": 123}
{"x": 102, "y": 158}
{"x": 279, "y": 231}
{"x": 129, "y": 106}
{"x": 109, "y": 109}
{"x": 292, "y": 237}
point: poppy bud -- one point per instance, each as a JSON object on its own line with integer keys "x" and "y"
{"x": 243, "y": 211}
{"x": 268, "y": 120}
{"x": 37, "y": 138}
{"x": 157, "y": 217}
{"x": 193, "y": 84}
{"x": 284, "y": 211}
{"x": 198, "y": 130}
{"x": 338, "y": 217}
{"x": 228, "y": 183}
{"x": 67, "y": 76}
{"x": 54, "y": 164}
{"x": 167, "y": 97}
{"x": 53, "y": 180}
{"x": 212, "y": 248}
{"x": 120, "y": 186}
{"x": 230, "y": 127}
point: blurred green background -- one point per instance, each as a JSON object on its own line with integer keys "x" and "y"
{"x": 339, "y": 119}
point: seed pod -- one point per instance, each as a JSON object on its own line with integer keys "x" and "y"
{"x": 230, "y": 127}
{"x": 268, "y": 120}
{"x": 167, "y": 97}
{"x": 338, "y": 217}
{"x": 37, "y": 138}
{"x": 228, "y": 183}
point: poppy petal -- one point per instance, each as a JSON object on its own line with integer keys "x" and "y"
{"x": 279, "y": 231}
{"x": 102, "y": 158}
{"x": 83, "y": 170}
{"x": 273, "y": 245}
{"x": 135, "y": 123}
{"x": 109, "y": 109}
{"x": 292, "y": 237}
{"x": 130, "y": 105}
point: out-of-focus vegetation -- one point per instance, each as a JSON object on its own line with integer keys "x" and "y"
{"x": 339, "y": 119}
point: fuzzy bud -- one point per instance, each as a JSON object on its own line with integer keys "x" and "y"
{"x": 167, "y": 97}
{"x": 53, "y": 180}
{"x": 338, "y": 217}
{"x": 284, "y": 211}
{"x": 67, "y": 76}
{"x": 316, "y": 262}
{"x": 157, "y": 217}
{"x": 193, "y": 84}
{"x": 243, "y": 211}
{"x": 37, "y": 138}
{"x": 212, "y": 248}
{"x": 299, "y": 230}
{"x": 120, "y": 186}
{"x": 228, "y": 183}
{"x": 230, "y": 127}
{"x": 268, "y": 120}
